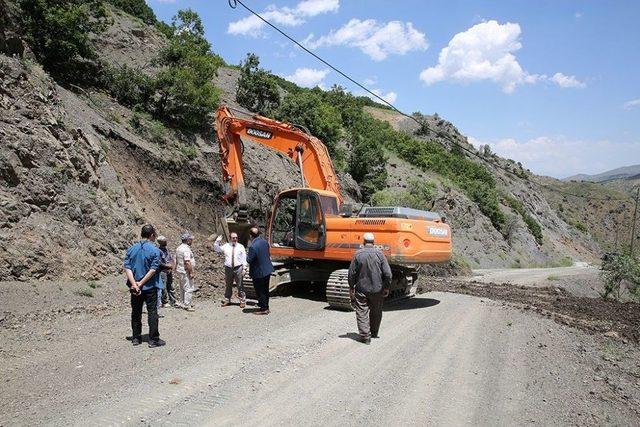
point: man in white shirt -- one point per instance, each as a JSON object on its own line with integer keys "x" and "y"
{"x": 235, "y": 257}
{"x": 185, "y": 264}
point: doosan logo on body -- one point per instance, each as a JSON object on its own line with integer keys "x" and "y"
{"x": 259, "y": 133}
{"x": 437, "y": 231}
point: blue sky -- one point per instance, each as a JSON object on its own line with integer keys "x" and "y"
{"x": 554, "y": 84}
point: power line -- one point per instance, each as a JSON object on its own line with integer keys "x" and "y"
{"x": 423, "y": 125}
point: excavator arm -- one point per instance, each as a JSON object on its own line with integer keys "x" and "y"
{"x": 309, "y": 153}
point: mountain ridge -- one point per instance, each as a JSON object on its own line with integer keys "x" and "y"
{"x": 623, "y": 172}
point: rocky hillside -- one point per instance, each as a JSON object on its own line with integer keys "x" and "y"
{"x": 475, "y": 238}
{"x": 81, "y": 173}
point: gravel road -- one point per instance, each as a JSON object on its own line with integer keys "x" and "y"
{"x": 442, "y": 359}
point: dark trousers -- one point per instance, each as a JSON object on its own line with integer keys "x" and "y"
{"x": 368, "y": 313}
{"x": 168, "y": 293}
{"x": 150, "y": 297}
{"x": 261, "y": 287}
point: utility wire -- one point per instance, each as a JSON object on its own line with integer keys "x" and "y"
{"x": 423, "y": 125}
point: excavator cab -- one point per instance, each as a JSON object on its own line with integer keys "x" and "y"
{"x": 298, "y": 220}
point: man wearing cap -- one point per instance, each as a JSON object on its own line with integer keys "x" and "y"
{"x": 369, "y": 281}
{"x": 167, "y": 264}
{"x": 185, "y": 264}
{"x": 235, "y": 257}
{"x": 142, "y": 267}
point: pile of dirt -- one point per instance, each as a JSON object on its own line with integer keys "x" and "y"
{"x": 595, "y": 315}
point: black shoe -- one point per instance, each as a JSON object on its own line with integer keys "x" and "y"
{"x": 156, "y": 343}
{"x": 365, "y": 340}
{"x": 374, "y": 336}
{"x": 136, "y": 341}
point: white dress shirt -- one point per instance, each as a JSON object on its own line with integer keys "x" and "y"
{"x": 232, "y": 257}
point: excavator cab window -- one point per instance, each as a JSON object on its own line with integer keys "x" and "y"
{"x": 329, "y": 205}
{"x": 284, "y": 221}
{"x": 310, "y": 227}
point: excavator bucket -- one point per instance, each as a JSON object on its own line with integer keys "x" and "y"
{"x": 240, "y": 228}
{"x": 228, "y": 225}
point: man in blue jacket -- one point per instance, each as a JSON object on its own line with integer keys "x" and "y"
{"x": 142, "y": 267}
{"x": 260, "y": 269}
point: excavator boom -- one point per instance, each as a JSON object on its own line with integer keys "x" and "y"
{"x": 309, "y": 153}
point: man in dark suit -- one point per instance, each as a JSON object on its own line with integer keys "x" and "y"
{"x": 260, "y": 269}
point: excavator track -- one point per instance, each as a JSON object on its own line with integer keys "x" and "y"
{"x": 403, "y": 286}
{"x": 338, "y": 290}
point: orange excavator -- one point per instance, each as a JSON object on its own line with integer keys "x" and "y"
{"x": 312, "y": 233}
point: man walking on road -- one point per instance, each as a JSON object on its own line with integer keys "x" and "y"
{"x": 260, "y": 269}
{"x": 185, "y": 264}
{"x": 369, "y": 280}
{"x": 142, "y": 267}
{"x": 235, "y": 257}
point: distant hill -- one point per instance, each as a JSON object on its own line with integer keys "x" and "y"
{"x": 626, "y": 172}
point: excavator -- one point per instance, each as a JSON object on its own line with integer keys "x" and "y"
{"x": 312, "y": 233}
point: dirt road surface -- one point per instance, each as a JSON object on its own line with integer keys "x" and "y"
{"x": 442, "y": 359}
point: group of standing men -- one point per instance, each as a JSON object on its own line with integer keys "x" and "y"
{"x": 149, "y": 270}
{"x": 236, "y": 260}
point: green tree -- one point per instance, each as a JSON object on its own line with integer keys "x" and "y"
{"x": 137, "y": 8}
{"x": 367, "y": 165}
{"x": 185, "y": 94}
{"x": 619, "y": 271}
{"x": 420, "y": 194}
{"x": 308, "y": 109}
{"x": 257, "y": 90}
{"x": 58, "y": 32}
{"x": 130, "y": 86}
{"x": 349, "y": 106}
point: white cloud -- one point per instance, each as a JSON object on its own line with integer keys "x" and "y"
{"x": 486, "y": 51}
{"x": 561, "y": 157}
{"x": 252, "y": 25}
{"x": 483, "y": 52}
{"x": 631, "y": 104}
{"x": 369, "y": 81}
{"x": 377, "y": 40}
{"x": 567, "y": 81}
{"x": 308, "y": 77}
{"x": 317, "y": 7}
{"x": 578, "y": 15}
{"x": 390, "y": 96}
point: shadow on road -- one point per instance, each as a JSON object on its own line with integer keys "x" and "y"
{"x": 317, "y": 293}
{"x": 313, "y": 293}
{"x": 350, "y": 335}
{"x": 143, "y": 337}
{"x": 410, "y": 304}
